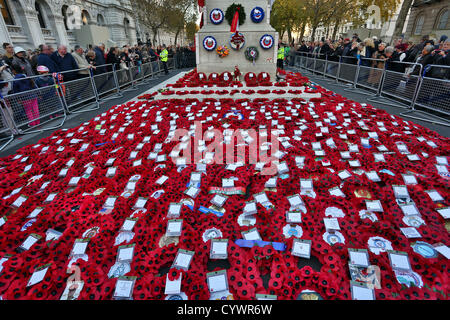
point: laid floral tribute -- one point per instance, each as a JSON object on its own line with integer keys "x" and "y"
{"x": 356, "y": 208}
{"x": 223, "y": 51}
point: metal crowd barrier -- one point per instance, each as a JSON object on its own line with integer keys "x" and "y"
{"x": 147, "y": 70}
{"x": 6, "y": 126}
{"x": 320, "y": 64}
{"x": 135, "y": 75}
{"x": 38, "y": 109}
{"x": 399, "y": 84}
{"x": 171, "y": 64}
{"x": 156, "y": 67}
{"x": 34, "y": 108}
{"x": 79, "y": 92}
{"x": 369, "y": 75}
{"x": 433, "y": 93}
{"x": 348, "y": 70}
{"x": 310, "y": 63}
{"x": 105, "y": 83}
{"x": 332, "y": 69}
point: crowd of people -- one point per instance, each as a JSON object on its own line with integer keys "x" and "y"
{"x": 372, "y": 52}
{"x": 25, "y": 70}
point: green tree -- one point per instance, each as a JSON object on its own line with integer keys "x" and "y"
{"x": 180, "y": 12}
{"x": 191, "y": 30}
{"x": 290, "y": 15}
{"x": 153, "y": 14}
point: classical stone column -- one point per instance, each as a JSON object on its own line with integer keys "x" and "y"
{"x": 35, "y": 32}
{"x": 4, "y": 34}
{"x": 60, "y": 32}
{"x": 205, "y": 16}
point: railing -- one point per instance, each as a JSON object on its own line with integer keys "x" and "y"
{"x": 399, "y": 84}
{"x": 46, "y": 32}
{"x": 6, "y": 126}
{"x": 14, "y": 29}
{"x": 53, "y": 97}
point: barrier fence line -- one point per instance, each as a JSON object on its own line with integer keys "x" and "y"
{"x": 34, "y": 108}
{"x": 6, "y": 126}
{"x": 53, "y": 96}
{"x": 76, "y": 93}
{"x": 399, "y": 84}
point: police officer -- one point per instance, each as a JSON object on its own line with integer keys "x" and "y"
{"x": 280, "y": 57}
{"x": 164, "y": 55}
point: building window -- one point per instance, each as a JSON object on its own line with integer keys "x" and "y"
{"x": 37, "y": 6}
{"x": 100, "y": 20}
{"x": 126, "y": 25}
{"x": 442, "y": 20}
{"x": 419, "y": 25}
{"x": 6, "y": 13}
{"x": 85, "y": 17}
{"x": 64, "y": 14}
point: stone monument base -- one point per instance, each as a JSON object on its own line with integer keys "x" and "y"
{"x": 210, "y": 62}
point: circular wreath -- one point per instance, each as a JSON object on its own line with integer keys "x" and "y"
{"x": 252, "y": 53}
{"x": 228, "y": 75}
{"x": 231, "y": 10}
{"x": 209, "y": 43}
{"x": 216, "y": 16}
{"x": 257, "y": 14}
{"x": 266, "y": 41}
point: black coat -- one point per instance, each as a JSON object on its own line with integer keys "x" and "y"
{"x": 113, "y": 59}
{"x": 392, "y": 64}
{"x": 425, "y": 61}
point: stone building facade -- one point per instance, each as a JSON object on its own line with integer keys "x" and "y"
{"x": 428, "y": 17}
{"x": 29, "y": 23}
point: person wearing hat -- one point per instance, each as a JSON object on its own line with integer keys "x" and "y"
{"x": 356, "y": 38}
{"x": 48, "y": 96}
{"x": 20, "y": 60}
{"x": 401, "y": 50}
{"x": 45, "y": 78}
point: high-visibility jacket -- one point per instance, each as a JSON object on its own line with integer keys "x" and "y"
{"x": 164, "y": 55}
{"x": 287, "y": 50}
{"x": 280, "y": 54}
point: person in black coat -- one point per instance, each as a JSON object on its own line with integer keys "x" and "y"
{"x": 100, "y": 58}
{"x": 303, "y": 47}
{"x": 425, "y": 59}
{"x": 112, "y": 58}
{"x": 392, "y": 61}
{"x": 43, "y": 59}
{"x": 65, "y": 62}
{"x": 125, "y": 57}
{"x": 324, "y": 49}
{"x": 346, "y": 48}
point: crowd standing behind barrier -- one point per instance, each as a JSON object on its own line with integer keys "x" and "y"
{"x": 417, "y": 86}
{"x": 46, "y": 108}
